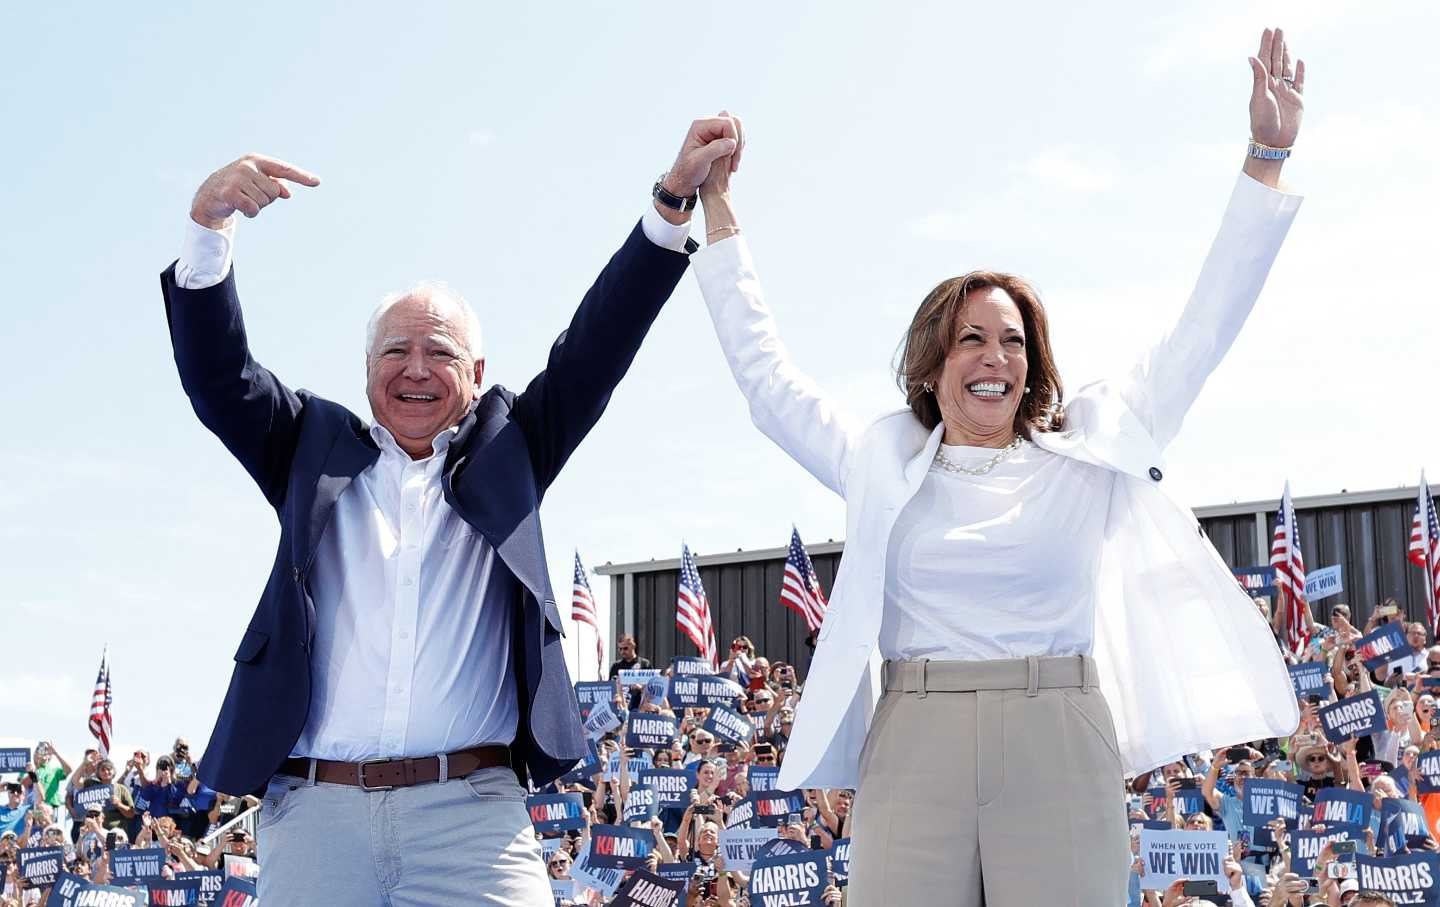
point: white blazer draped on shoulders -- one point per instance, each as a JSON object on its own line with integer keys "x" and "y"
{"x": 1185, "y": 659}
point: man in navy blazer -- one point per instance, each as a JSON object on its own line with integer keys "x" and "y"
{"x": 410, "y": 558}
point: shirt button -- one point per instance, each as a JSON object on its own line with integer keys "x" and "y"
{"x": 409, "y": 581}
{"x": 1156, "y": 474}
{"x": 404, "y": 634}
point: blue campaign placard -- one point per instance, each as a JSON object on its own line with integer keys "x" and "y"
{"x": 586, "y": 768}
{"x": 840, "y": 861}
{"x": 634, "y": 766}
{"x": 14, "y": 759}
{"x": 1268, "y": 800}
{"x": 703, "y": 691}
{"x": 551, "y": 813}
{"x": 97, "y": 796}
{"x": 1335, "y": 805}
{"x": 685, "y": 665}
{"x": 672, "y": 785}
{"x": 619, "y": 846}
{"x": 599, "y": 878}
{"x": 762, "y": 777}
{"x": 783, "y": 847}
{"x": 108, "y": 896}
{"x": 1412, "y": 878}
{"x": 1188, "y": 798}
{"x": 651, "y": 730}
{"x": 677, "y": 872}
{"x": 238, "y": 892}
{"x": 1382, "y": 645}
{"x": 174, "y": 892}
{"x": 67, "y": 886}
{"x": 655, "y": 689}
{"x": 1351, "y": 717}
{"x": 729, "y": 725}
{"x": 41, "y": 865}
{"x": 772, "y": 806}
{"x": 137, "y": 863}
{"x": 641, "y": 805}
{"x": 589, "y": 692}
{"x": 1429, "y": 767}
{"x": 1309, "y": 677}
{"x": 780, "y": 881}
{"x": 635, "y": 677}
{"x": 645, "y": 890}
{"x": 1305, "y": 846}
{"x": 1399, "y": 819}
{"x": 210, "y": 881}
{"x": 1256, "y": 580}
{"x": 603, "y": 719}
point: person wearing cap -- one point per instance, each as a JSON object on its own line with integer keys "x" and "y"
{"x": 162, "y": 796}
{"x": 13, "y": 813}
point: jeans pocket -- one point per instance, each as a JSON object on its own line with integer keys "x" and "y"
{"x": 278, "y": 799}
{"x": 497, "y": 783}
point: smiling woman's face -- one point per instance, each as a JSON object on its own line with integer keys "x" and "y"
{"x": 983, "y": 379}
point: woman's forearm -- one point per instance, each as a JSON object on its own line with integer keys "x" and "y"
{"x": 720, "y": 220}
{"x": 1262, "y": 171}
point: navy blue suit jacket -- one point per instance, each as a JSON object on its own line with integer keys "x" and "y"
{"x": 303, "y": 451}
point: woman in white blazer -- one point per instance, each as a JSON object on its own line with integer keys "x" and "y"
{"x": 1039, "y": 615}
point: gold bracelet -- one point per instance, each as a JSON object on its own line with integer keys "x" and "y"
{"x": 1271, "y": 147}
{"x": 731, "y": 227}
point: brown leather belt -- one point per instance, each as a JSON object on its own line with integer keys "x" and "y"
{"x": 384, "y": 774}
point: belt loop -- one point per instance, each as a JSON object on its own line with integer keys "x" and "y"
{"x": 1087, "y": 674}
{"x": 444, "y": 767}
{"x": 310, "y": 776}
{"x": 1032, "y": 665}
{"x": 921, "y": 683}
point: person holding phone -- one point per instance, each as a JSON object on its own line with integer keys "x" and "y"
{"x": 1011, "y": 562}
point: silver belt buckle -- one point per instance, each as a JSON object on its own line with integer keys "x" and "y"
{"x": 360, "y": 775}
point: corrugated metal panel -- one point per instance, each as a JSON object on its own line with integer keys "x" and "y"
{"x": 1367, "y": 533}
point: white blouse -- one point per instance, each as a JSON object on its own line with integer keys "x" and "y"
{"x": 1002, "y": 565}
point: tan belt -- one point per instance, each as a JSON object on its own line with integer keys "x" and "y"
{"x": 1029, "y": 674}
{"x": 384, "y": 774}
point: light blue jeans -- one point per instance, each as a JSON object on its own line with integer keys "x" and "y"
{"x": 462, "y": 841}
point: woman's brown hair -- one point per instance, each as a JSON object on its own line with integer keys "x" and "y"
{"x": 932, "y": 335}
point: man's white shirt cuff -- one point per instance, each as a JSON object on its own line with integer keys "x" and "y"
{"x": 663, "y": 233}
{"x": 205, "y": 255}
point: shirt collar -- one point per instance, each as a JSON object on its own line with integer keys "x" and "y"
{"x": 439, "y": 444}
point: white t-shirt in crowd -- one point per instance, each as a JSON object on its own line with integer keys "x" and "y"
{"x": 1002, "y": 565}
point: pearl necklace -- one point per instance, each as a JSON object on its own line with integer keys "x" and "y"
{"x": 1003, "y": 454}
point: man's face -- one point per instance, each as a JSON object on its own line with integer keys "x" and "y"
{"x": 106, "y": 772}
{"x": 13, "y": 796}
{"x": 420, "y": 377}
{"x": 1416, "y": 636}
{"x": 627, "y": 651}
{"x": 700, "y": 742}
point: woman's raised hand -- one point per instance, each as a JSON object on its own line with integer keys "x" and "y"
{"x": 1276, "y": 104}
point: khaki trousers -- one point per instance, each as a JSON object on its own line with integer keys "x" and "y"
{"x": 990, "y": 784}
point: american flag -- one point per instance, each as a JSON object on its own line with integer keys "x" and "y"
{"x": 1425, "y": 549}
{"x": 800, "y": 589}
{"x": 100, "y": 703}
{"x": 582, "y": 611}
{"x": 1289, "y": 566}
{"x": 692, "y": 610}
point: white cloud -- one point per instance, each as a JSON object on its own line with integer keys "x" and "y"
{"x": 1065, "y": 169}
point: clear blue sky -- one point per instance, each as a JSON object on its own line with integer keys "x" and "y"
{"x": 508, "y": 148}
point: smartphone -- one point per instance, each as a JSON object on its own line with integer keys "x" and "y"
{"x": 707, "y": 809}
{"x": 1200, "y": 888}
{"x": 110, "y": 840}
{"x": 1237, "y": 754}
{"x": 766, "y": 749}
{"x": 1417, "y": 842}
{"x": 1387, "y": 611}
{"x": 1340, "y": 847}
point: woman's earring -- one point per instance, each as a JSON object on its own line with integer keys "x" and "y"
{"x": 927, "y": 387}
{"x": 1027, "y": 390}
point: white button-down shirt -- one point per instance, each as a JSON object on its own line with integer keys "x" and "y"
{"x": 412, "y": 651}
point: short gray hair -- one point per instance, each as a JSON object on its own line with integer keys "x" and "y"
{"x": 428, "y": 289}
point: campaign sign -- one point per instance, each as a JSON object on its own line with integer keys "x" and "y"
{"x": 635, "y": 677}
{"x": 97, "y": 797}
{"x": 589, "y": 692}
{"x": 677, "y": 872}
{"x": 599, "y": 878}
{"x": 1267, "y": 800}
{"x": 1351, "y": 717}
{"x": 602, "y": 720}
{"x": 650, "y": 730}
{"x": 548, "y": 846}
{"x": 1399, "y": 819}
{"x": 174, "y": 892}
{"x": 1172, "y": 855}
{"x": 641, "y": 805}
{"x": 237, "y": 892}
{"x": 107, "y": 896}
{"x": 562, "y": 890}
{"x": 634, "y": 766}
{"x": 1256, "y": 580}
{"x": 702, "y": 691}
{"x": 1188, "y": 798}
{"x": 67, "y": 886}
{"x": 840, "y": 860}
{"x": 1305, "y": 846}
{"x": 14, "y": 759}
{"x": 741, "y": 844}
{"x": 137, "y": 863}
{"x": 686, "y": 665}
{"x": 1334, "y": 805}
{"x": 1429, "y": 767}
{"x": 620, "y": 847}
{"x": 780, "y": 881}
{"x": 1430, "y": 684}
{"x": 40, "y": 865}
{"x": 783, "y": 847}
{"x": 586, "y": 768}
{"x": 1382, "y": 645}
{"x": 672, "y": 785}
{"x": 211, "y": 881}
{"x": 772, "y": 806}
{"x": 742, "y": 815}
{"x": 645, "y": 890}
{"x": 1412, "y": 878}
{"x": 656, "y": 688}
{"x": 550, "y": 813}
{"x": 1323, "y": 583}
{"x": 1309, "y": 677}
{"x": 728, "y": 724}
{"x": 762, "y": 777}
